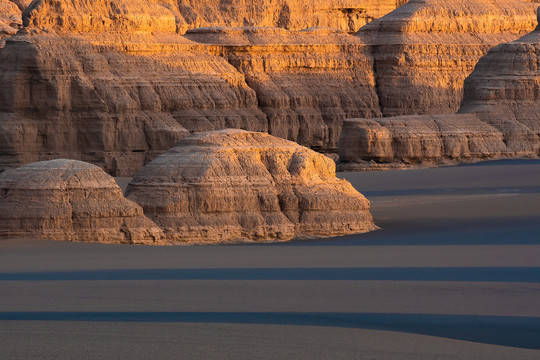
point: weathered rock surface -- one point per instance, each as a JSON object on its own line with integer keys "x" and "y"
{"x": 73, "y": 201}
{"x": 346, "y": 15}
{"x": 425, "y": 49}
{"x": 10, "y": 20}
{"x": 115, "y": 98}
{"x": 499, "y": 117}
{"x": 234, "y": 185}
{"x": 307, "y": 82}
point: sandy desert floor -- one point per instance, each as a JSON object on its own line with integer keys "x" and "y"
{"x": 454, "y": 273}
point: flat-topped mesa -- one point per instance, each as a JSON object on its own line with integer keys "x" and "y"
{"x": 503, "y": 91}
{"x": 116, "y": 97}
{"x": 231, "y": 186}
{"x": 499, "y": 117}
{"x": 307, "y": 82}
{"x": 425, "y": 49}
{"x": 346, "y": 15}
{"x": 10, "y": 20}
{"x": 71, "y": 201}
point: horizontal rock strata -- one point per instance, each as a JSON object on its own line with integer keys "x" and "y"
{"x": 233, "y": 185}
{"x": 307, "y": 82}
{"x": 499, "y": 117}
{"x": 346, "y": 15}
{"x": 425, "y": 49}
{"x": 72, "y": 201}
{"x": 118, "y": 98}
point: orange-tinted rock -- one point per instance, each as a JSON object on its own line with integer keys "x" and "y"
{"x": 425, "y": 49}
{"x": 499, "y": 117}
{"x": 114, "y": 98}
{"x": 307, "y": 82}
{"x": 10, "y": 20}
{"x": 346, "y": 15}
{"x": 233, "y": 185}
{"x": 72, "y": 201}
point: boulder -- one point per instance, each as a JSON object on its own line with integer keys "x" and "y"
{"x": 233, "y": 185}
{"x": 425, "y": 49}
{"x": 73, "y": 201}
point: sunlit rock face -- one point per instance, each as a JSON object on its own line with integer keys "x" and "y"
{"x": 425, "y": 49}
{"x": 346, "y": 15}
{"x": 111, "y": 83}
{"x": 72, "y": 201}
{"x": 10, "y": 20}
{"x": 307, "y": 82}
{"x": 499, "y": 117}
{"x": 234, "y": 186}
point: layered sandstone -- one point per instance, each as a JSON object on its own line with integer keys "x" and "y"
{"x": 234, "y": 185}
{"x": 425, "y": 49}
{"x": 10, "y": 20}
{"x": 346, "y": 15}
{"x": 499, "y": 117}
{"x": 307, "y": 82}
{"x": 110, "y": 82}
{"x": 72, "y": 201}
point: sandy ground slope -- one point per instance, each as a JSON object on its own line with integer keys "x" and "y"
{"x": 454, "y": 273}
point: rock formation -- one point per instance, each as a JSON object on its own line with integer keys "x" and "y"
{"x": 111, "y": 83}
{"x": 425, "y": 49}
{"x": 234, "y": 185}
{"x": 307, "y": 82}
{"x": 73, "y": 201}
{"x": 499, "y": 117}
{"x": 346, "y": 15}
{"x": 10, "y": 20}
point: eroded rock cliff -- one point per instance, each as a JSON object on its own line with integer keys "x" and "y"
{"x": 234, "y": 185}
{"x": 72, "y": 201}
{"x": 307, "y": 82}
{"x": 115, "y": 98}
{"x": 499, "y": 117}
{"x": 425, "y": 49}
{"x": 346, "y": 15}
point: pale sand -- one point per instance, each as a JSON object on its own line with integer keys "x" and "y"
{"x": 453, "y": 274}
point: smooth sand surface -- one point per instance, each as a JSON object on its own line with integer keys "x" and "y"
{"x": 454, "y": 273}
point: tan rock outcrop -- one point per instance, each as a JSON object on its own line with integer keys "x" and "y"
{"x": 346, "y": 15}
{"x": 425, "y": 49}
{"x": 499, "y": 117}
{"x": 115, "y": 98}
{"x": 72, "y": 201}
{"x": 233, "y": 185}
{"x": 307, "y": 82}
{"x": 10, "y": 20}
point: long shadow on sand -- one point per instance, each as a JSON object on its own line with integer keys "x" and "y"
{"x": 521, "y": 332}
{"x": 467, "y": 274}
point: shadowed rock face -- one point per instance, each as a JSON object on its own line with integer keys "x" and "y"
{"x": 499, "y": 117}
{"x": 70, "y": 200}
{"x": 346, "y": 15}
{"x": 233, "y": 185}
{"x": 425, "y": 49}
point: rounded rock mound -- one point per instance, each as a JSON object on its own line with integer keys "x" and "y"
{"x": 235, "y": 186}
{"x": 73, "y": 201}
